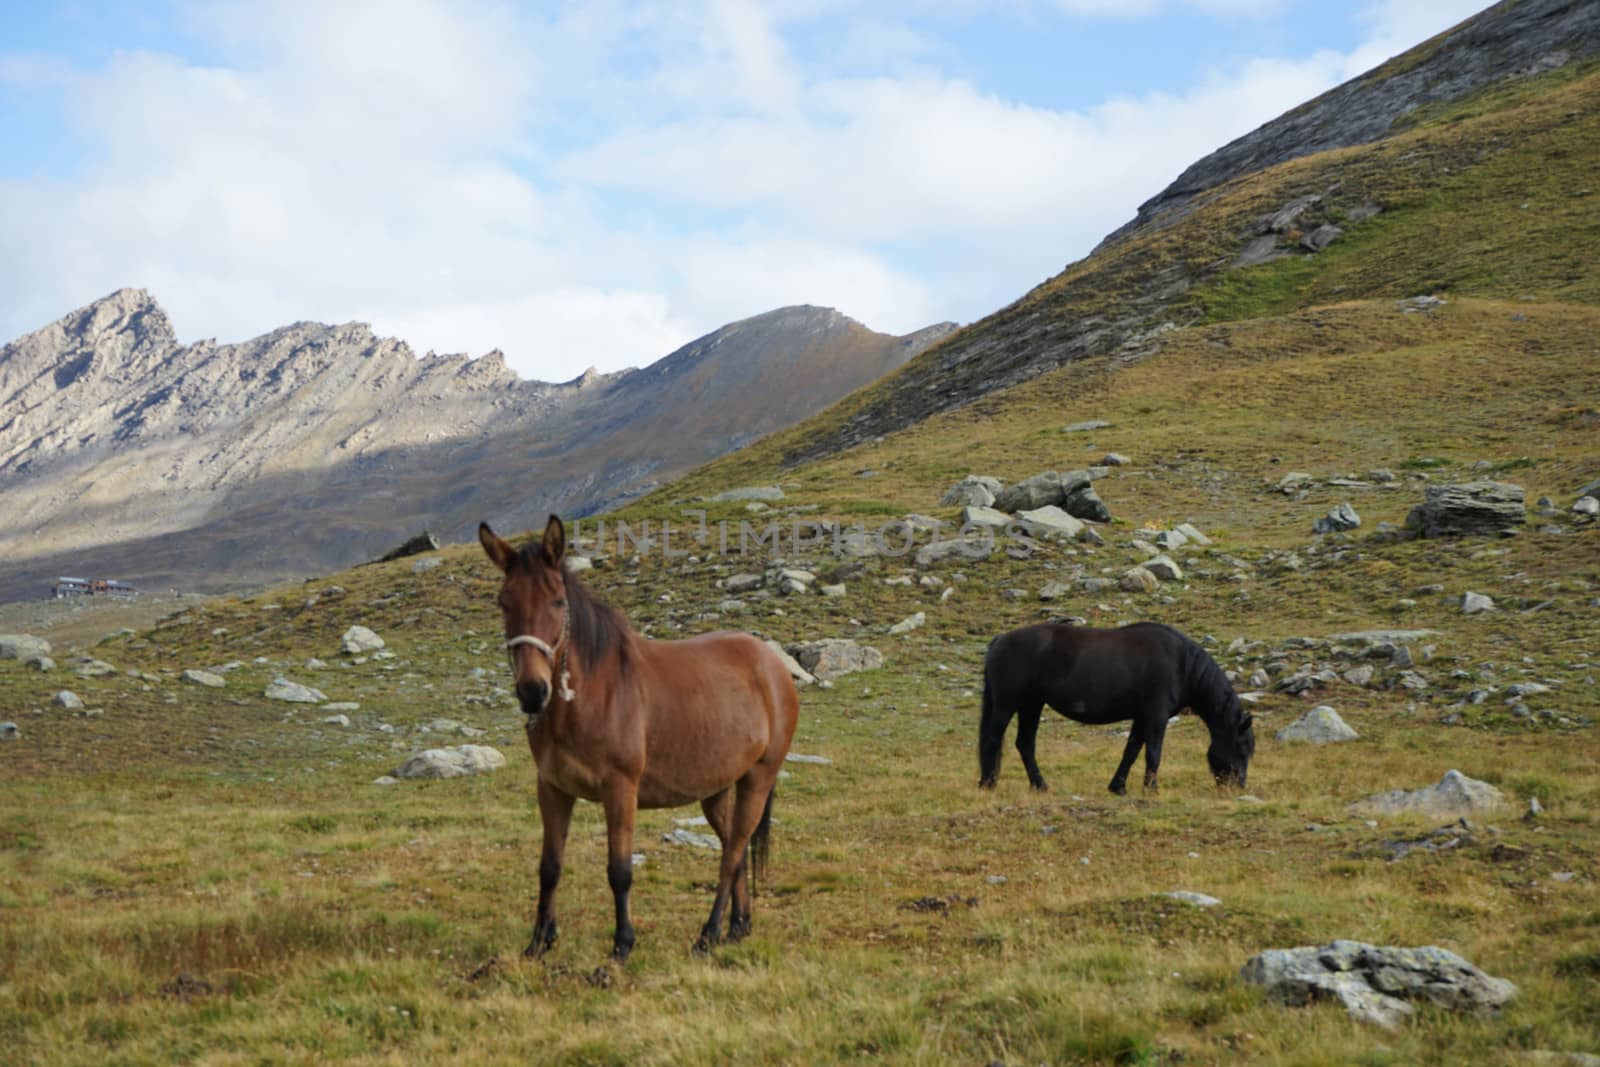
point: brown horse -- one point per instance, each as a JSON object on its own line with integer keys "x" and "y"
{"x": 633, "y": 723}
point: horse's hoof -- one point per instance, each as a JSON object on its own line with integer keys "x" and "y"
{"x": 542, "y": 940}
{"x": 1119, "y": 788}
{"x": 1040, "y": 786}
{"x": 985, "y": 783}
{"x": 738, "y": 931}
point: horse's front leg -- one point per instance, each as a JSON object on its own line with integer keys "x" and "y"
{"x": 555, "y": 812}
{"x": 621, "y": 799}
{"x": 1119, "y": 781}
{"x": 1155, "y": 735}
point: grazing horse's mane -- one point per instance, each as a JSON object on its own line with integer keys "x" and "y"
{"x": 597, "y": 630}
{"x": 1212, "y": 696}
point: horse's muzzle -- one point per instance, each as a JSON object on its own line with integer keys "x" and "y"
{"x": 533, "y": 696}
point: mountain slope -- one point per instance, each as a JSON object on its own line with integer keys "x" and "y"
{"x": 123, "y": 452}
{"x": 1514, "y": 84}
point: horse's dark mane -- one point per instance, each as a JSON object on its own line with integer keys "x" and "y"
{"x": 598, "y": 630}
{"x": 1211, "y": 695}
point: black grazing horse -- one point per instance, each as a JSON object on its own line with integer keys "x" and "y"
{"x": 1146, "y": 672}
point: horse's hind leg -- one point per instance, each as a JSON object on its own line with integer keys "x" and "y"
{"x": 749, "y": 802}
{"x": 719, "y": 813}
{"x": 1027, "y": 737}
{"x": 1119, "y": 781}
{"x": 555, "y": 813}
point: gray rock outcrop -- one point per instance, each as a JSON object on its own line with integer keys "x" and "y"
{"x": 358, "y": 640}
{"x": 1338, "y": 520}
{"x": 1468, "y": 509}
{"x": 1454, "y": 794}
{"x": 1377, "y": 984}
{"x": 792, "y": 665}
{"x": 975, "y": 490}
{"x": 208, "y": 679}
{"x": 834, "y": 657}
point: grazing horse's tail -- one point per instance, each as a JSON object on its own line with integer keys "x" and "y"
{"x": 991, "y": 728}
{"x": 760, "y": 842}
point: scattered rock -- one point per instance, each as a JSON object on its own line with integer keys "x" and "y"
{"x": 336, "y": 720}
{"x": 66, "y": 698}
{"x": 1164, "y": 568}
{"x": 1455, "y": 794}
{"x": 1361, "y": 676}
{"x": 9, "y": 732}
{"x": 293, "y": 692}
{"x": 1085, "y": 503}
{"x": 1468, "y": 509}
{"x": 1586, "y": 505}
{"x": 1199, "y": 900}
{"x": 796, "y": 757}
{"x": 907, "y": 624}
{"x": 1138, "y": 580}
{"x": 39, "y": 663}
{"x": 1338, "y": 520}
{"x": 1319, "y": 726}
{"x": 1189, "y": 531}
{"x": 797, "y": 672}
{"x": 22, "y": 646}
{"x": 1086, "y": 426}
{"x": 1475, "y": 603}
{"x": 743, "y": 583}
{"x": 1412, "y": 304}
{"x": 1169, "y": 540}
{"x": 1293, "y": 482}
{"x": 752, "y": 492}
{"x": 984, "y": 517}
{"x": 1321, "y": 237}
{"x": 834, "y": 657}
{"x": 831, "y": 590}
{"x": 975, "y": 490}
{"x": 205, "y": 678}
{"x": 971, "y": 550}
{"x": 459, "y": 762}
{"x": 385, "y": 779}
{"x": 1054, "y": 591}
{"x": 1049, "y": 521}
{"x": 358, "y": 640}
{"x": 1375, "y": 983}
{"x": 680, "y": 836}
{"x": 1114, "y": 459}
{"x": 89, "y": 667}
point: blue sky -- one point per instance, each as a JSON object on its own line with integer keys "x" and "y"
{"x": 598, "y": 183}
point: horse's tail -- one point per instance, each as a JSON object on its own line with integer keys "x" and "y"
{"x": 761, "y": 841}
{"x": 991, "y": 727}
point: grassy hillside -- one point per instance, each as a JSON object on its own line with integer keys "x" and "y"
{"x": 1492, "y": 197}
{"x": 202, "y": 873}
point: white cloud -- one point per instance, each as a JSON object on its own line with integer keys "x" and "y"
{"x": 602, "y": 185}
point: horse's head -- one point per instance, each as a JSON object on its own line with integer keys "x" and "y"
{"x": 533, "y": 605}
{"x": 1230, "y": 752}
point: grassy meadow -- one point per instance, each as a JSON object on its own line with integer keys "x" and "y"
{"x": 204, "y": 875}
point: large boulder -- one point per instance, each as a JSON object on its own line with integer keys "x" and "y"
{"x": 1467, "y": 509}
{"x": 22, "y": 646}
{"x": 359, "y": 640}
{"x": 1375, "y": 983}
{"x": 972, "y": 550}
{"x": 833, "y": 657}
{"x": 1046, "y": 487}
{"x": 1319, "y": 726}
{"x": 1454, "y": 794}
{"x": 460, "y": 762}
{"x": 1338, "y": 520}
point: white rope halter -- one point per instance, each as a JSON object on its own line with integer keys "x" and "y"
{"x": 557, "y": 655}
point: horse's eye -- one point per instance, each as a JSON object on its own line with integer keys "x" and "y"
{"x": 561, "y": 602}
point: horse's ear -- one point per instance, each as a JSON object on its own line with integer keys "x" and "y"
{"x": 499, "y": 550}
{"x": 555, "y": 541}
